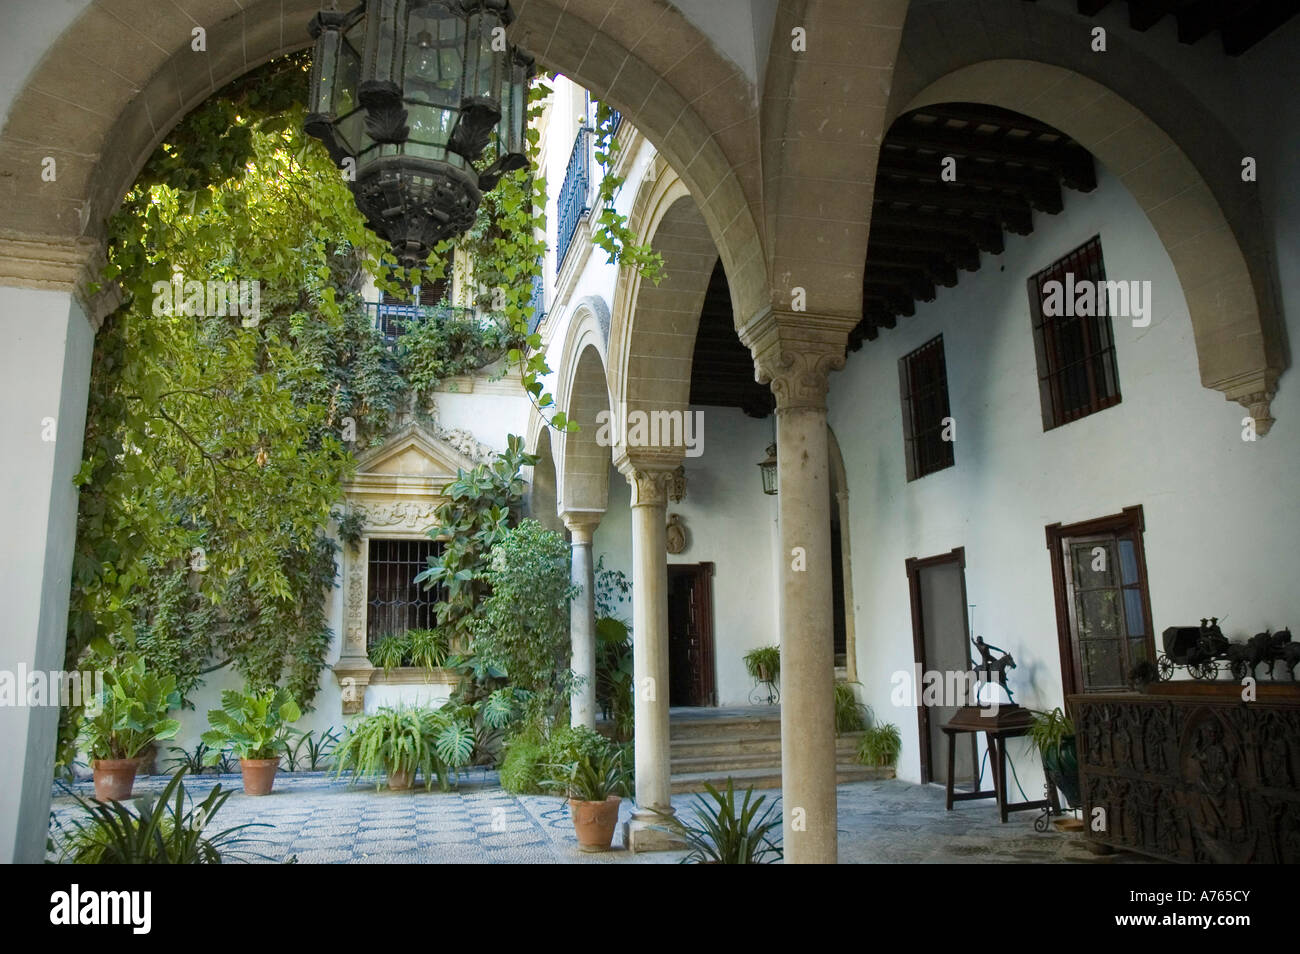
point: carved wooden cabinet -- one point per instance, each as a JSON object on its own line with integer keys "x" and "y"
{"x": 1193, "y": 773}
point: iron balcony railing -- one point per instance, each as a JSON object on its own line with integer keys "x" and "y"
{"x": 392, "y": 320}
{"x": 615, "y": 120}
{"x": 572, "y": 204}
{"x": 538, "y": 302}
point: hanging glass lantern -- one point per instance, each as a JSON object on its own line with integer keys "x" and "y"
{"x": 407, "y": 96}
{"x": 767, "y": 468}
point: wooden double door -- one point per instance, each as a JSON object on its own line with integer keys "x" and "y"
{"x": 691, "y": 672}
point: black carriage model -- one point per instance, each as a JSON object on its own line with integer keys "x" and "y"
{"x": 1267, "y": 648}
{"x": 1199, "y": 648}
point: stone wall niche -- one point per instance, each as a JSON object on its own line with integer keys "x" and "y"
{"x": 397, "y": 490}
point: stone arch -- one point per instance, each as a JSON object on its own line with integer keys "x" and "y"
{"x": 839, "y": 486}
{"x": 652, "y": 334}
{"x": 1179, "y": 161}
{"x": 823, "y": 117}
{"x": 117, "y": 80}
{"x": 543, "y": 496}
{"x": 583, "y": 392}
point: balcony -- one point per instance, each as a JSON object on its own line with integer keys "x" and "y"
{"x": 538, "y": 302}
{"x": 391, "y": 320}
{"x": 572, "y": 205}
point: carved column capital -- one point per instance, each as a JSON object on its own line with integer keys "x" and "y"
{"x": 796, "y": 352}
{"x": 72, "y": 265}
{"x": 1254, "y": 391}
{"x": 582, "y": 524}
{"x": 650, "y": 485}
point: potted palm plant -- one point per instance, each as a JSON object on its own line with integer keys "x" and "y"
{"x": 256, "y": 726}
{"x": 594, "y": 784}
{"x": 130, "y": 714}
{"x": 401, "y": 743}
{"x": 1053, "y": 735}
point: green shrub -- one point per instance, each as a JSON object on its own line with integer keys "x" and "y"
{"x": 522, "y": 768}
{"x": 524, "y": 626}
{"x": 168, "y": 829}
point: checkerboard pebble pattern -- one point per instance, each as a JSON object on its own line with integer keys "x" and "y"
{"x": 321, "y": 820}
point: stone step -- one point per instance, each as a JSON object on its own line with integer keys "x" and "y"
{"x": 767, "y": 778}
{"x": 748, "y": 745}
{"x": 743, "y": 725}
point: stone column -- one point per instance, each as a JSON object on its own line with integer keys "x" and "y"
{"x": 48, "y": 325}
{"x": 650, "y": 658}
{"x": 582, "y": 618}
{"x": 796, "y": 353}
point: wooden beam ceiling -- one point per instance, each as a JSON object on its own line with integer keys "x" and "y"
{"x": 722, "y": 369}
{"x": 928, "y": 220}
{"x": 1240, "y": 23}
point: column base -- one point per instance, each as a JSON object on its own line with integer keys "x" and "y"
{"x": 650, "y": 831}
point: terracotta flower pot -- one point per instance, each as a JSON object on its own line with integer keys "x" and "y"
{"x": 114, "y": 778}
{"x": 593, "y": 822}
{"x": 400, "y": 780}
{"x": 259, "y": 775}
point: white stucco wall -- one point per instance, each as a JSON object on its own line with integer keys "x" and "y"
{"x": 1222, "y": 515}
{"x": 729, "y": 523}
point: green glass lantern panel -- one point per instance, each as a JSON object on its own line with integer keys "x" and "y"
{"x": 435, "y": 40}
{"x": 383, "y": 47}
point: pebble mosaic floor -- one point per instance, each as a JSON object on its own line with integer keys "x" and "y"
{"x": 320, "y": 820}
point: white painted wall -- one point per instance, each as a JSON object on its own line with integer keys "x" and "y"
{"x": 1222, "y": 516}
{"x": 730, "y": 523}
{"x": 44, "y": 378}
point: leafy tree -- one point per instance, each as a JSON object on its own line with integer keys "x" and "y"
{"x": 524, "y": 624}
{"x": 480, "y": 506}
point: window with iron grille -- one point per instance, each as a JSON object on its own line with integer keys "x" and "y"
{"x": 1076, "y": 353}
{"x": 923, "y": 383}
{"x": 396, "y": 602}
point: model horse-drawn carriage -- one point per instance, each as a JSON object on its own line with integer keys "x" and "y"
{"x": 1202, "y": 649}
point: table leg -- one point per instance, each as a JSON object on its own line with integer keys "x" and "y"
{"x": 1002, "y": 780}
{"x": 952, "y": 742}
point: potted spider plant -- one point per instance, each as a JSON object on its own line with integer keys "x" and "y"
{"x": 1053, "y": 735}
{"x": 764, "y": 666}
{"x": 130, "y": 715}
{"x": 401, "y": 743}
{"x": 594, "y": 784}
{"x": 880, "y": 745}
{"x": 256, "y": 726}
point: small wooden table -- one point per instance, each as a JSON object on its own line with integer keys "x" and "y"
{"x": 1009, "y": 723}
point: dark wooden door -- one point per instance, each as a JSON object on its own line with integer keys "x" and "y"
{"x": 691, "y": 679}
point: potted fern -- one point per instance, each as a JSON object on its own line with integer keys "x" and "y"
{"x": 256, "y": 726}
{"x": 400, "y": 743}
{"x": 1053, "y": 735}
{"x": 130, "y": 714}
{"x": 594, "y": 784}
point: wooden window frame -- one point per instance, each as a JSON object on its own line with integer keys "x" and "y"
{"x": 915, "y": 431}
{"x": 1130, "y": 519}
{"x": 1099, "y": 342}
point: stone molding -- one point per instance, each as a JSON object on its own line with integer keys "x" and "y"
{"x": 1254, "y": 391}
{"x": 71, "y": 266}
